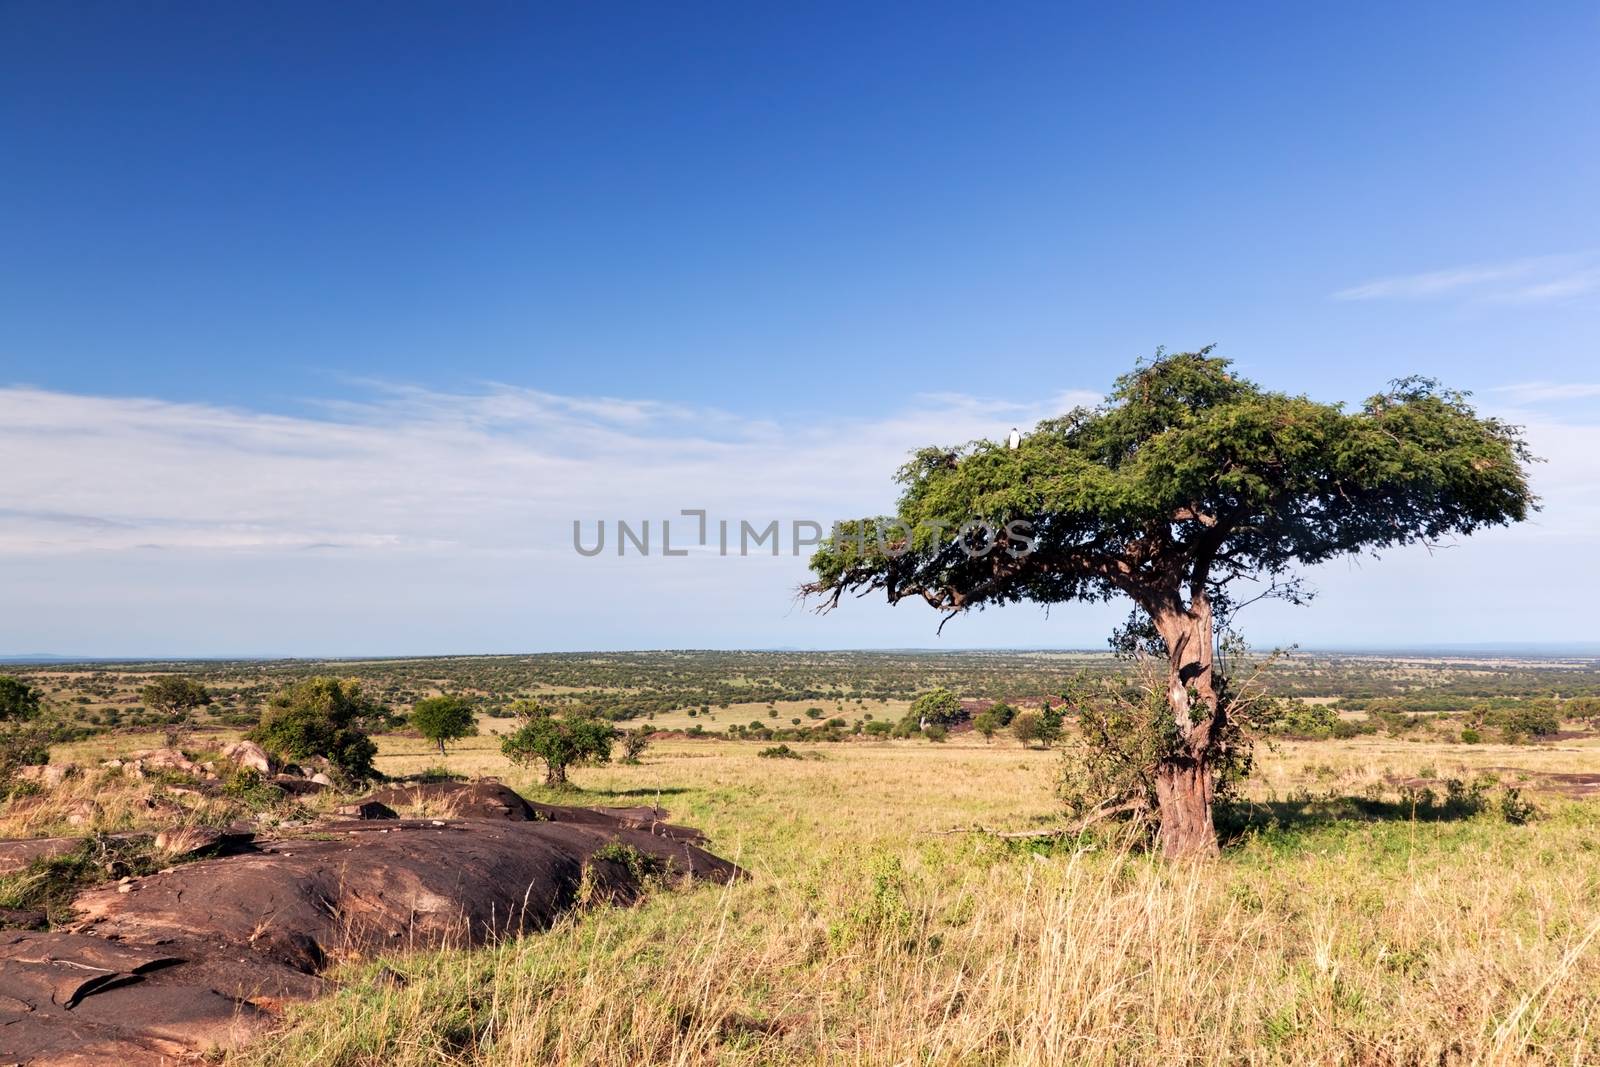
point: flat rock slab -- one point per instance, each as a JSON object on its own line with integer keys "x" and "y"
{"x": 202, "y": 956}
{"x": 17, "y": 855}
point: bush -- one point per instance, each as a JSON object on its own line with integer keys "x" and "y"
{"x": 322, "y": 717}
{"x": 1469, "y": 736}
{"x": 1025, "y": 727}
{"x": 22, "y": 742}
{"x": 938, "y": 707}
{"x": 634, "y": 743}
{"x": 779, "y": 752}
{"x": 935, "y": 733}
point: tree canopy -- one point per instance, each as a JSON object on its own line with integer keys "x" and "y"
{"x": 1186, "y": 479}
{"x": 19, "y": 701}
{"x": 444, "y": 718}
{"x": 325, "y": 717}
{"x": 558, "y": 742}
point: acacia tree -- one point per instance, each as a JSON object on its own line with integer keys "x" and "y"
{"x": 444, "y": 718}
{"x": 177, "y": 699}
{"x": 1186, "y": 480}
{"x": 558, "y": 742}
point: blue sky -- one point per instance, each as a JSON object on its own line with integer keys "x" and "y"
{"x": 264, "y": 266}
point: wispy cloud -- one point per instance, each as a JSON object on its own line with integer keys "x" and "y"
{"x": 415, "y": 520}
{"x": 1545, "y": 392}
{"x": 412, "y": 469}
{"x": 1529, "y": 280}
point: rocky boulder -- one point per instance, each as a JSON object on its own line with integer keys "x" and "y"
{"x": 249, "y": 755}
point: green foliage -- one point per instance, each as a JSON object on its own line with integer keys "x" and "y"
{"x": 1527, "y": 721}
{"x": 19, "y": 701}
{"x": 1025, "y": 727}
{"x": 779, "y": 752}
{"x": 322, "y": 716}
{"x": 1218, "y": 467}
{"x": 934, "y": 732}
{"x": 558, "y": 742}
{"x": 22, "y": 741}
{"x": 939, "y": 707}
{"x": 1469, "y": 736}
{"x": 635, "y": 742}
{"x": 1048, "y": 731}
{"x": 444, "y": 718}
{"x": 987, "y": 723}
{"x": 1125, "y": 731}
{"x": 175, "y": 695}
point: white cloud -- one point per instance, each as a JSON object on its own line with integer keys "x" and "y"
{"x": 407, "y": 468}
{"x": 1545, "y": 392}
{"x": 1530, "y": 280}
{"x": 418, "y": 521}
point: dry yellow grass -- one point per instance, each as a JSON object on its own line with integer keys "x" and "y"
{"x": 860, "y": 938}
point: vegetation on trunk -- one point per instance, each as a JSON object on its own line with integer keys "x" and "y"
{"x": 1186, "y": 488}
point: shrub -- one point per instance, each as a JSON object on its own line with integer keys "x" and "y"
{"x": 634, "y": 743}
{"x": 779, "y": 752}
{"x": 322, "y": 717}
{"x": 1025, "y": 727}
{"x": 938, "y": 707}
{"x": 22, "y": 742}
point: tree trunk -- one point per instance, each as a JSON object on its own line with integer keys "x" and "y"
{"x": 1184, "y": 793}
{"x": 555, "y": 774}
{"x": 1185, "y": 779}
{"x": 441, "y": 748}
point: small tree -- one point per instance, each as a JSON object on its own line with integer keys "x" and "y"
{"x": 635, "y": 741}
{"x": 1048, "y": 731}
{"x": 21, "y": 742}
{"x": 938, "y": 707}
{"x": 444, "y": 718}
{"x": 19, "y": 701}
{"x": 987, "y": 723}
{"x": 559, "y": 743}
{"x": 322, "y": 717}
{"x": 1025, "y": 727}
{"x": 176, "y": 699}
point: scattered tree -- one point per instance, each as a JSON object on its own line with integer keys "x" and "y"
{"x": 987, "y": 723}
{"x": 558, "y": 742}
{"x": 21, "y": 742}
{"x": 938, "y": 707}
{"x": 176, "y": 699}
{"x": 635, "y": 742}
{"x": 1048, "y": 732}
{"x": 1025, "y": 727}
{"x": 444, "y": 718}
{"x": 325, "y": 717}
{"x": 1185, "y": 481}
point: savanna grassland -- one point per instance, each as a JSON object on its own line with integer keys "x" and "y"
{"x": 1389, "y": 893}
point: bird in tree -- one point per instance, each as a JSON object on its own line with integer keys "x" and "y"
{"x": 1186, "y": 480}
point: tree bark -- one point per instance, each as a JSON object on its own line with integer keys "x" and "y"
{"x": 1186, "y": 778}
{"x": 555, "y": 774}
{"x": 1184, "y": 791}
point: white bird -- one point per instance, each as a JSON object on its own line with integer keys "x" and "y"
{"x": 1014, "y": 442}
